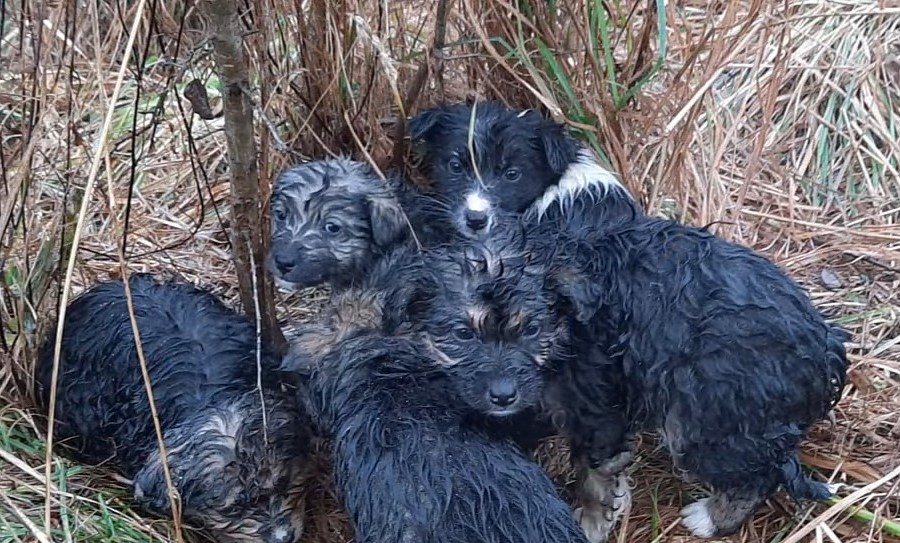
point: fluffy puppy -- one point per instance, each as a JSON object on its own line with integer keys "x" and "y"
{"x": 407, "y": 466}
{"x": 333, "y": 219}
{"x": 518, "y": 162}
{"x": 677, "y": 330}
{"x": 491, "y": 323}
{"x": 236, "y": 453}
{"x": 503, "y": 337}
{"x": 671, "y": 328}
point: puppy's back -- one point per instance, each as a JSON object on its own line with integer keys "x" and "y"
{"x": 719, "y": 311}
{"x": 410, "y": 470}
{"x": 196, "y": 350}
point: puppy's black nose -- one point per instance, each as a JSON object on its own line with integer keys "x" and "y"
{"x": 476, "y": 220}
{"x": 284, "y": 263}
{"x": 503, "y": 392}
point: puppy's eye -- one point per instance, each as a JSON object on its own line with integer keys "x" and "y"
{"x": 463, "y": 333}
{"x": 456, "y": 165}
{"x": 512, "y": 174}
{"x": 279, "y": 213}
{"x": 332, "y": 228}
{"x": 531, "y": 330}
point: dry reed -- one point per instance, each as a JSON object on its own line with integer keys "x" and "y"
{"x": 776, "y": 120}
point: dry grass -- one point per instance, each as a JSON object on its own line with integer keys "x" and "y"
{"x": 778, "y": 119}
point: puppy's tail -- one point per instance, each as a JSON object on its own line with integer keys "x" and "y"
{"x": 799, "y": 486}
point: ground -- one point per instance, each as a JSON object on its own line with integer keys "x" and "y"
{"x": 777, "y": 122}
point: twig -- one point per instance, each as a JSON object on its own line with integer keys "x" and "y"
{"x": 434, "y": 61}
{"x": 262, "y": 397}
{"x": 246, "y": 232}
{"x": 840, "y": 506}
{"x": 174, "y": 496}
{"x": 100, "y": 147}
{"x": 864, "y": 515}
{"x": 23, "y": 518}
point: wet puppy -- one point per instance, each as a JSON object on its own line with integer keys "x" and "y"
{"x": 519, "y": 162}
{"x": 676, "y": 330}
{"x": 236, "y": 453}
{"x": 333, "y": 219}
{"x": 502, "y": 335}
{"x": 494, "y": 328}
{"x": 408, "y": 467}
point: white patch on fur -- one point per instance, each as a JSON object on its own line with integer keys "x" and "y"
{"x": 477, "y": 202}
{"x": 697, "y": 519}
{"x": 280, "y": 534}
{"x": 583, "y": 177}
{"x": 834, "y": 487}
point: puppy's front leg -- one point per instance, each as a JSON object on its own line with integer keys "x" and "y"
{"x": 587, "y": 404}
{"x": 601, "y": 450}
{"x": 604, "y": 494}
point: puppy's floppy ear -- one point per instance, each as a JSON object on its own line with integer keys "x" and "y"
{"x": 560, "y": 148}
{"x": 577, "y": 291}
{"x": 410, "y": 303}
{"x": 387, "y": 219}
{"x": 423, "y": 126}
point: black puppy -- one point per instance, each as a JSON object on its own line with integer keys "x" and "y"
{"x": 333, "y": 219}
{"x": 236, "y": 453}
{"x": 519, "y": 162}
{"x": 503, "y": 338}
{"x": 677, "y": 330}
{"x": 408, "y": 467}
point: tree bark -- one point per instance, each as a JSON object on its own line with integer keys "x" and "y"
{"x": 249, "y": 231}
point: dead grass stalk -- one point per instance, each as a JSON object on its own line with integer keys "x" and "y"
{"x": 776, "y": 122}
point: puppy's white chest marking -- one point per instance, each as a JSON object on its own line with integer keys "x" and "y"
{"x": 583, "y": 177}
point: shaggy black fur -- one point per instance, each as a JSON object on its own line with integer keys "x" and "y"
{"x": 522, "y": 163}
{"x": 333, "y": 219}
{"x": 201, "y": 358}
{"x": 678, "y": 330}
{"x": 491, "y": 325}
{"x": 408, "y": 468}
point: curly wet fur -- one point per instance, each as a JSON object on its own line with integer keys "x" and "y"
{"x": 677, "y": 330}
{"x": 492, "y": 325}
{"x": 383, "y": 300}
{"x": 522, "y": 163}
{"x": 408, "y": 468}
{"x": 333, "y": 219}
{"x": 201, "y": 358}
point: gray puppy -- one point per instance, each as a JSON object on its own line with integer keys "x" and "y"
{"x": 333, "y": 219}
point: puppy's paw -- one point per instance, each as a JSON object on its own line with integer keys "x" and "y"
{"x": 151, "y": 499}
{"x": 597, "y": 523}
{"x": 611, "y": 497}
{"x": 697, "y": 519}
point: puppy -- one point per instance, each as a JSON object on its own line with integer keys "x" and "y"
{"x": 677, "y": 330}
{"x": 407, "y": 466}
{"x": 492, "y": 327}
{"x": 236, "y": 453}
{"x": 519, "y": 162}
{"x": 503, "y": 337}
{"x": 333, "y": 219}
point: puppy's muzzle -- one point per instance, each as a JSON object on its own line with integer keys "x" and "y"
{"x": 285, "y": 264}
{"x": 503, "y": 393}
{"x": 476, "y": 220}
